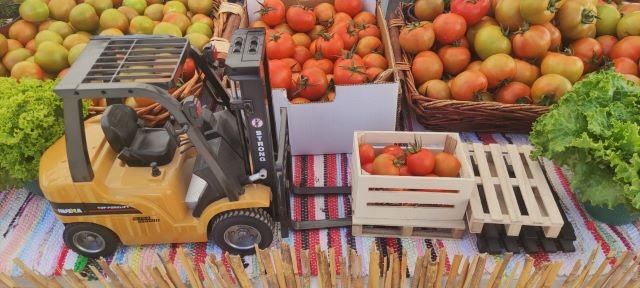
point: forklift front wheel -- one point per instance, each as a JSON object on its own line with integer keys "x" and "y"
{"x": 90, "y": 240}
{"x": 237, "y": 231}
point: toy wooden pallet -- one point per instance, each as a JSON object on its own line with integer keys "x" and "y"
{"x": 511, "y": 191}
{"x": 411, "y": 229}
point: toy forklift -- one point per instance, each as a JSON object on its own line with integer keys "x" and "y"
{"x": 207, "y": 174}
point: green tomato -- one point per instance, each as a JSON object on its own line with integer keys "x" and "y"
{"x": 490, "y": 41}
{"x": 629, "y": 25}
{"x": 608, "y": 18}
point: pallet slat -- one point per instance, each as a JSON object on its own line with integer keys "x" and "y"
{"x": 503, "y": 207}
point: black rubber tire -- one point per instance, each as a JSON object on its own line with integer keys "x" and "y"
{"x": 111, "y": 239}
{"x": 256, "y": 218}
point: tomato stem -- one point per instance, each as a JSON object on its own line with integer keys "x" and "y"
{"x": 546, "y": 100}
{"x": 552, "y": 6}
{"x": 589, "y": 16}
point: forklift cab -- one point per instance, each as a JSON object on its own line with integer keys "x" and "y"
{"x": 202, "y": 176}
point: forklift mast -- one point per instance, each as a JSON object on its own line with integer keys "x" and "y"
{"x": 266, "y": 150}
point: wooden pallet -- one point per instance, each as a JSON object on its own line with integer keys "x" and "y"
{"x": 408, "y": 232}
{"x": 511, "y": 190}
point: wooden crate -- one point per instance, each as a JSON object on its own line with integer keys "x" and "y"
{"x": 511, "y": 189}
{"x": 401, "y": 201}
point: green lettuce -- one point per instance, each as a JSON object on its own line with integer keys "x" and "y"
{"x": 595, "y": 131}
{"x": 30, "y": 121}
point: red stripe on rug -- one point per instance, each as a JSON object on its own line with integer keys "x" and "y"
{"x": 589, "y": 224}
{"x": 314, "y": 235}
{"x": 61, "y": 260}
{"x": 622, "y": 238}
{"x": 172, "y": 252}
{"x": 334, "y": 233}
{"x": 296, "y": 211}
{"x": 227, "y": 266}
{"x": 486, "y": 138}
{"x": 447, "y": 264}
{"x": 199, "y": 258}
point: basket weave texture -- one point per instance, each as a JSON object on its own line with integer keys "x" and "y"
{"x": 460, "y": 116}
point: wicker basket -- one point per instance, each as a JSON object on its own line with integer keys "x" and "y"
{"x": 452, "y": 115}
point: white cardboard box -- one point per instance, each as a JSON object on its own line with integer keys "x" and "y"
{"x": 327, "y": 128}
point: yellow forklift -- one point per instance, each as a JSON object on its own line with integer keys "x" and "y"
{"x": 209, "y": 173}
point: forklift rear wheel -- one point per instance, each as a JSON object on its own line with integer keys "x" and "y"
{"x": 90, "y": 240}
{"x": 237, "y": 231}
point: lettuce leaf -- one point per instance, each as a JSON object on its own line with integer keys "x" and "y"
{"x": 595, "y": 131}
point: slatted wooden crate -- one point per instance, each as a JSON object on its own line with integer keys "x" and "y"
{"x": 407, "y": 206}
{"x": 512, "y": 190}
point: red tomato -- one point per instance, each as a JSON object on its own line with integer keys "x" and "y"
{"x": 556, "y": 36}
{"x": 324, "y": 64}
{"x": 349, "y": 55}
{"x": 330, "y": 46}
{"x": 525, "y": 72}
{"x": 469, "y": 86}
{"x": 351, "y": 7}
{"x": 627, "y": 47}
{"x": 420, "y": 162}
{"x": 292, "y": 64}
{"x": 372, "y": 73}
{"x": 347, "y": 31}
{"x": 607, "y": 42}
{"x": 454, "y": 59}
{"x": 514, "y": 93}
{"x": 341, "y": 17}
{"x": 549, "y": 88}
{"x": 416, "y": 37}
{"x": 284, "y": 28}
{"x": 369, "y": 30}
{"x": 624, "y": 65}
{"x": 394, "y": 150}
{"x": 301, "y": 19}
{"x": 279, "y": 74}
{"x": 499, "y": 69}
{"x": 188, "y": 69}
{"x": 365, "y": 17}
{"x": 301, "y": 39}
{"x": 348, "y": 72}
{"x": 426, "y": 66}
{"x": 531, "y": 43}
{"x": 590, "y": 51}
{"x": 368, "y": 167}
{"x": 301, "y": 54}
{"x": 375, "y": 60}
{"x": 368, "y": 45}
{"x": 404, "y": 170}
{"x": 280, "y": 46}
{"x": 272, "y": 12}
{"x": 447, "y": 165}
{"x": 471, "y": 11}
{"x": 366, "y": 153}
{"x": 312, "y": 84}
{"x": 385, "y": 164}
{"x": 324, "y": 13}
{"x": 449, "y": 28}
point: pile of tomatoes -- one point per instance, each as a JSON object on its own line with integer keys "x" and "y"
{"x": 518, "y": 51}
{"x": 311, "y": 50}
{"x": 394, "y": 160}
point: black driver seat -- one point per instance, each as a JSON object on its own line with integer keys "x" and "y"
{"x": 136, "y": 146}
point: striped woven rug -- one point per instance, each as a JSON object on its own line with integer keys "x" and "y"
{"x": 30, "y": 231}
